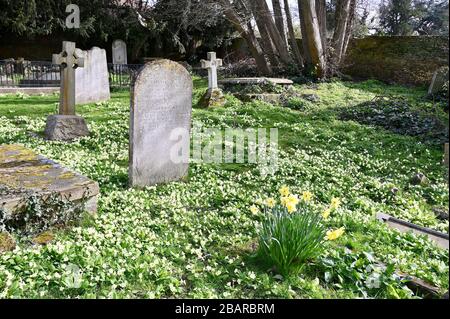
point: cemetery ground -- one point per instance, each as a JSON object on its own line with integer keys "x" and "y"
{"x": 195, "y": 239}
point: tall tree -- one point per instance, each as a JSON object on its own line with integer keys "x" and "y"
{"x": 312, "y": 39}
{"x": 261, "y": 11}
{"x": 292, "y": 37}
{"x": 245, "y": 29}
{"x": 321, "y": 8}
{"x": 265, "y": 40}
{"x": 395, "y": 17}
{"x": 344, "y": 18}
{"x": 279, "y": 20}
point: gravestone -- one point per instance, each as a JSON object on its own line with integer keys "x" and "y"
{"x": 24, "y": 173}
{"x": 214, "y": 96}
{"x": 440, "y": 77}
{"x": 119, "y": 52}
{"x": 161, "y": 105}
{"x": 92, "y": 81}
{"x": 67, "y": 126}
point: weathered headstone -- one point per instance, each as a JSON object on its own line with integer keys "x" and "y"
{"x": 67, "y": 126}
{"x": 161, "y": 108}
{"x": 93, "y": 80}
{"x": 440, "y": 77}
{"x": 119, "y": 52}
{"x": 214, "y": 96}
{"x": 24, "y": 173}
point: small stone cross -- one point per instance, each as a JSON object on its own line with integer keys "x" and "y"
{"x": 69, "y": 60}
{"x": 212, "y": 64}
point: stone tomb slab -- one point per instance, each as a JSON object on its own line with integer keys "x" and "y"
{"x": 256, "y": 81}
{"x": 232, "y": 84}
{"x": 440, "y": 239}
{"x": 23, "y": 172}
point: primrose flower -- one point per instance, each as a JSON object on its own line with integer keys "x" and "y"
{"x": 254, "y": 210}
{"x": 335, "y": 234}
{"x": 307, "y": 196}
{"x": 270, "y": 202}
{"x": 335, "y": 203}
{"x": 284, "y": 191}
{"x": 291, "y": 207}
{"x": 326, "y": 213}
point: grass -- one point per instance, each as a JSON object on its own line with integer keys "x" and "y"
{"x": 193, "y": 239}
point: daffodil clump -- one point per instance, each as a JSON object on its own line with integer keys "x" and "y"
{"x": 293, "y": 230}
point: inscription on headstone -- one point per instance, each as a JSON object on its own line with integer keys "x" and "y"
{"x": 161, "y": 108}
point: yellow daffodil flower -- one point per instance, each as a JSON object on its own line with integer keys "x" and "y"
{"x": 293, "y": 199}
{"x": 284, "y": 191}
{"x": 291, "y": 207}
{"x": 284, "y": 201}
{"x": 326, "y": 214}
{"x": 270, "y": 202}
{"x": 254, "y": 210}
{"x": 307, "y": 196}
{"x": 335, "y": 234}
{"x": 335, "y": 203}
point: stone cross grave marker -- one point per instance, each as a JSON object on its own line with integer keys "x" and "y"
{"x": 69, "y": 60}
{"x": 214, "y": 96}
{"x": 161, "y": 109}
{"x": 211, "y": 65}
{"x": 66, "y": 126}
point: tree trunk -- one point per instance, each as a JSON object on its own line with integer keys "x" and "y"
{"x": 266, "y": 42}
{"x": 293, "y": 39}
{"x": 340, "y": 31}
{"x": 249, "y": 36}
{"x": 279, "y": 21}
{"x": 350, "y": 27}
{"x": 312, "y": 37}
{"x": 321, "y": 8}
{"x": 262, "y": 12}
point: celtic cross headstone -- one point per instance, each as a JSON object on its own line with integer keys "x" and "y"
{"x": 67, "y": 126}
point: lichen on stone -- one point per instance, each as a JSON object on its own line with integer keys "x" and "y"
{"x": 7, "y": 242}
{"x": 44, "y": 238}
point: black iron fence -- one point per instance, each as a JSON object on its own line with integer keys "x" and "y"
{"x": 122, "y": 75}
{"x": 45, "y": 74}
{"x": 28, "y": 74}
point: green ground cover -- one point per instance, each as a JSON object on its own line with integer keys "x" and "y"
{"x": 196, "y": 238}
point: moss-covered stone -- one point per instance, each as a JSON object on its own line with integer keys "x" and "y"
{"x": 7, "y": 242}
{"x": 27, "y": 176}
{"x": 44, "y": 238}
{"x": 212, "y": 99}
